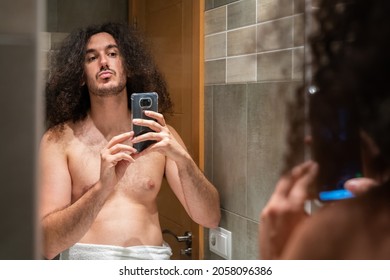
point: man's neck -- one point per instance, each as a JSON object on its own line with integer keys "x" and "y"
{"x": 110, "y": 114}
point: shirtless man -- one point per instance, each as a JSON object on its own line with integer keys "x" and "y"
{"x": 98, "y": 196}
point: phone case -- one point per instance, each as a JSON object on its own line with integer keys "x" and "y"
{"x": 139, "y": 103}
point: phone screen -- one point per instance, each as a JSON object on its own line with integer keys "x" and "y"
{"x": 336, "y": 148}
{"x": 140, "y": 102}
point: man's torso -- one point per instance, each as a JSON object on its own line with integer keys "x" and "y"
{"x": 129, "y": 217}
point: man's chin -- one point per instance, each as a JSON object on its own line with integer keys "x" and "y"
{"x": 107, "y": 91}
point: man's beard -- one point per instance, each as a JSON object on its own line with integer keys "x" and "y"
{"x": 112, "y": 90}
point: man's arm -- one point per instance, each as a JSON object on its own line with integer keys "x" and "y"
{"x": 198, "y": 196}
{"x": 286, "y": 231}
{"x": 64, "y": 223}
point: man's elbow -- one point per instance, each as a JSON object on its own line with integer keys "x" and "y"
{"x": 49, "y": 249}
{"x": 212, "y": 220}
{"x": 49, "y": 255}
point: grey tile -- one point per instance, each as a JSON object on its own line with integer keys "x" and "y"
{"x": 208, "y": 131}
{"x": 299, "y": 30}
{"x": 315, "y": 3}
{"x": 299, "y": 6}
{"x": 74, "y": 13}
{"x": 267, "y": 127}
{"x": 229, "y": 146}
{"x": 45, "y": 41}
{"x": 215, "y": 46}
{"x": 237, "y": 225}
{"x": 311, "y": 23}
{"x": 273, "y": 9}
{"x": 44, "y": 60}
{"x": 241, "y": 69}
{"x": 298, "y": 63}
{"x": 208, "y": 4}
{"x": 119, "y": 10}
{"x": 241, "y": 41}
{"x": 275, "y": 35}
{"x": 241, "y": 14}
{"x": 215, "y": 72}
{"x": 218, "y": 3}
{"x": 252, "y": 247}
{"x": 215, "y": 20}
{"x": 56, "y": 39}
{"x": 51, "y": 16}
{"x": 274, "y": 66}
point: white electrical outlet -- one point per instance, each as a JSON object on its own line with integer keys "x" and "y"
{"x": 220, "y": 242}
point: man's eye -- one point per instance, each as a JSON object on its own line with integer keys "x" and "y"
{"x": 91, "y": 58}
{"x": 112, "y": 54}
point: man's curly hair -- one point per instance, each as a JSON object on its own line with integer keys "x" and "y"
{"x": 67, "y": 97}
{"x": 351, "y": 59}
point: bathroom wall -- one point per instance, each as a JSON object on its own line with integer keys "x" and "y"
{"x": 254, "y": 52}
{"x": 63, "y": 16}
{"x": 66, "y": 15}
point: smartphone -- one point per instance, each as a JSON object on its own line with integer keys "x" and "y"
{"x": 336, "y": 148}
{"x": 139, "y": 103}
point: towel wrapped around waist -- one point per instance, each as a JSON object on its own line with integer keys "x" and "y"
{"x": 82, "y": 251}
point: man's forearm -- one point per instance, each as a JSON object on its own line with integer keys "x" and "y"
{"x": 201, "y": 196}
{"x": 65, "y": 227}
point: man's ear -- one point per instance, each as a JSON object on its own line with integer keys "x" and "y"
{"x": 372, "y": 161}
{"x": 368, "y": 145}
{"x": 82, "y": 82}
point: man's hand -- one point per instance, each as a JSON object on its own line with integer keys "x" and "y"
{"x": 115, "y": 158}
{"x": 360, "y": 186}
{"x": 166, "y": 143}
{"x": 285, "y": 209}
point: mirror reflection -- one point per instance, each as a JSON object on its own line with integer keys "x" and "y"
{"x": 253, "y": 50}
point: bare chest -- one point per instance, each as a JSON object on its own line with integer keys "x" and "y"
{"x": 141, "y": 182}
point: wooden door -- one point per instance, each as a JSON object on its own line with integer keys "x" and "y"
{"x": 175, "y": 30}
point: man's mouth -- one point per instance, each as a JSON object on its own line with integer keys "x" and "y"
{"x": 105, "y": 74}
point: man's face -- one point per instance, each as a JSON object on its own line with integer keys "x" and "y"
{"x": 103, "y": 66}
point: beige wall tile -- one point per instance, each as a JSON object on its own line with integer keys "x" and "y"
{"x": 215, "y": 20}
{"x": 275, "y": 35}
{"x": 215, "y": 72}
{"x": 215, "y": 46}
{"x": 298, "y": 63}
{"x": 241, "y": 41}
{"x": 242, "y": 13}
{"x": 299, "y": 30}
{"x": 274, "y": 66}
{"x": 273, "y": 9}
{"x": 241, "y": 69}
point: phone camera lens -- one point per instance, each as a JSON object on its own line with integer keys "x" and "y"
{"x": 145, "y": 102}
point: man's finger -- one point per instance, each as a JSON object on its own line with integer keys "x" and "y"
{"x": 360, "y": 186}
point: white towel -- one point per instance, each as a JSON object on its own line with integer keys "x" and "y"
{"x": 82, "y": 251}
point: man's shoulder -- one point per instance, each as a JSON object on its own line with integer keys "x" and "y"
{"x": 59, "y": 134}
{"x": 327, "y": 234}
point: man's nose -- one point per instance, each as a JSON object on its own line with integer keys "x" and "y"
{"x": 103, "y": 61}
